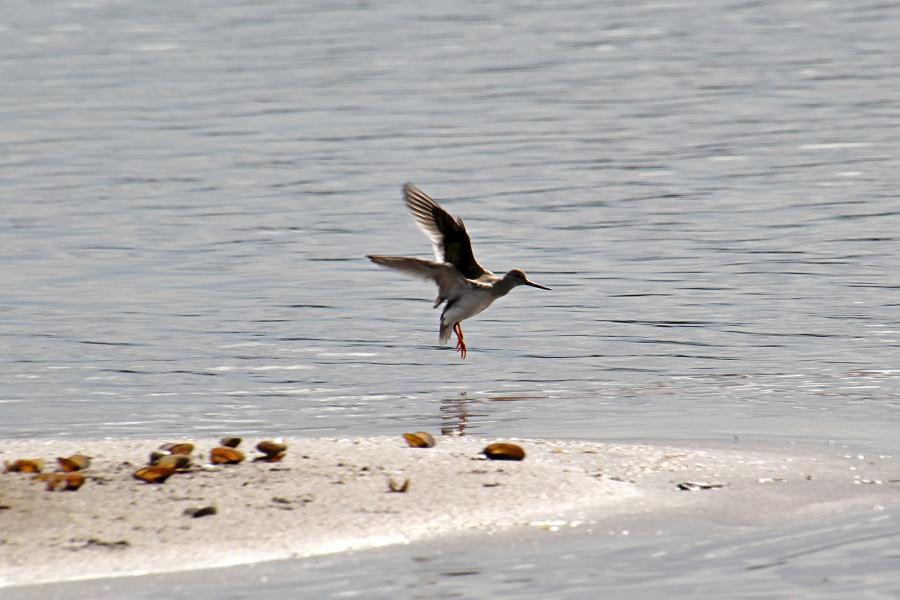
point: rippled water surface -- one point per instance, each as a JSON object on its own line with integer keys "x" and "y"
{"x": 709, "y": 188}
{"x": 832, "y": 562}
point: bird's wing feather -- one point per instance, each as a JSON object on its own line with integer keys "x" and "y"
{"x": 448, "y": 235}
{"x": 445, "y": 275}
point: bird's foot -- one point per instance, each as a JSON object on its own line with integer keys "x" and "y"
{"x": 460, "y": 343}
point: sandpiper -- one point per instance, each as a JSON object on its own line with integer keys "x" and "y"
{"x": 465, "y": 286}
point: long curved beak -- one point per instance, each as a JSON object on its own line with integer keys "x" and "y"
{"x": 533, "y": 284}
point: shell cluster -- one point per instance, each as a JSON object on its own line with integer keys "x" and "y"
{"x": 67, "y": 477}
{"x": 167, "y": 460}
{"x": 181, "y": 457}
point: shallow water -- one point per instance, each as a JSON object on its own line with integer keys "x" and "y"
{"x": 709, "y": 188}
{"x": 837, "y": 560}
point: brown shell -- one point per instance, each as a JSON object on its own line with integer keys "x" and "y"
{"x": 223, "y": 455}
{"x": 156, "y": 455}
{"x": 178, "y": 447}
{"x": 419, "y": 439}
{"x": 73, "y": 481}
{"x": 51, "y": 479}
{"x": 25, "y": 465}
{"x": 155, "y": 474}
{"x": 504, "y": 451}
{"x": 175, "y": 461}
{"x": 231, "y": 442}
{"x": 270, "y": 458}
{"x": 272, "y": 447}
{"x": 75, "y": 462}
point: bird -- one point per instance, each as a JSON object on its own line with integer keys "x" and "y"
{"x": 464, "y": 286}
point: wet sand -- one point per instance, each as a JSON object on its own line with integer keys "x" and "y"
{"x": 331, "y": 495}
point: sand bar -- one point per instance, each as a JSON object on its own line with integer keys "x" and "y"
{"x": 331, "y": 495}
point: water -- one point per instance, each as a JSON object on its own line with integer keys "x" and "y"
{"x": 709, "y": 188}
{"x": 791, "y": 563}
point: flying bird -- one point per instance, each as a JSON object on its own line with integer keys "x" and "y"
{"x": 464, "y": 286}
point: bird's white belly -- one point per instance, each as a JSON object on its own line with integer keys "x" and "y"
{"x": 468, "y": 306}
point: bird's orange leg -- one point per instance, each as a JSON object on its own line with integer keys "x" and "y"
{"x": 460, "y": 343}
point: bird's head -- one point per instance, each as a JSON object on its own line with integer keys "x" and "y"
{"x": 518, "y": 277}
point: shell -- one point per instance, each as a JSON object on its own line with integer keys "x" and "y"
{"x": 25, "y": 465}
{"x": 175, "y": 461}
{"x": 272, "y": 447}
{"x": 223, "y": 455}
{"x": 51, "y": 479}
{"x": 73, "y": 481}
{"x": 504, "y": 451}
{"x": 269, "y": 458}
{"x": 75, "y": 462}
{"x": 155, "y": 474}
{"x": 230, "y": 442}
{"x": 178, "y": 447}
{"x": 419, "y": 439}
{"x": 693, "y": 486}
{"x": 198, "y": 512}
{"x": 157, "y": 455}
{"x": 400, "y": 488}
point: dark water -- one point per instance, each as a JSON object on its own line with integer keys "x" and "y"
{"x": 189, "y": 189}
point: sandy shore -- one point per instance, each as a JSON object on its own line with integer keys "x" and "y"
{"x": 330, "y": 495}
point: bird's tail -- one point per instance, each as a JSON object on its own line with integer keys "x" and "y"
{"x": 444, "y": 336}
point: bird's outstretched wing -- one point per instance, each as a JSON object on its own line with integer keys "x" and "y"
{"x": 448, "y": 235}
{"x": 446, "y": 276}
